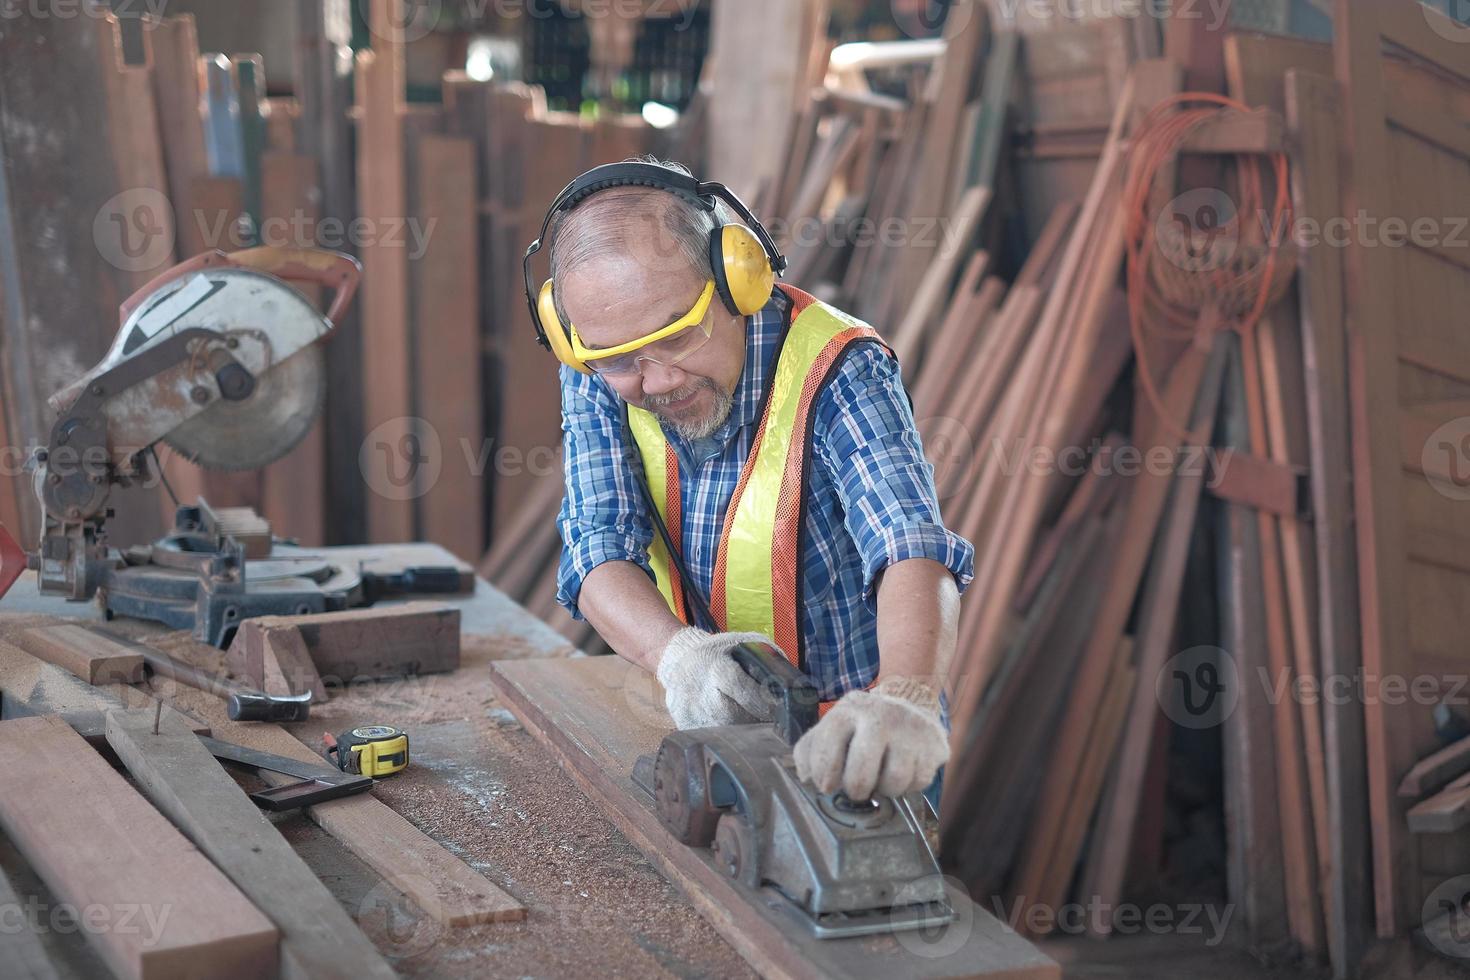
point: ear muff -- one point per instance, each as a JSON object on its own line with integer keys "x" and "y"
{"x": 556, "y": 334}
{"x": 743, "y": 274}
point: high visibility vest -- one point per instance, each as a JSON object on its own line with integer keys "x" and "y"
{"x": 757, "y": 578}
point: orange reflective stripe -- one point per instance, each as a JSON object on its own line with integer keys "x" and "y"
{"x": 674, "y": 522}
{"x": 786, "y": 542}
{"x": 826, "y": 706}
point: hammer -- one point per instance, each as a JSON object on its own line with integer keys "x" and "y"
{"x": 243, "y": 705}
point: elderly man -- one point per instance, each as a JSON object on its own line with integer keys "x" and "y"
{"x": 736, "y": 447}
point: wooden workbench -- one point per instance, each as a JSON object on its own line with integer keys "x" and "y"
{"x": 479, "y": 785}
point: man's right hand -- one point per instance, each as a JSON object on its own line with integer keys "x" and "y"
{"x": 703, "y": 686}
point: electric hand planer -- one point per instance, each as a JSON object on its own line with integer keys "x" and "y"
{"x": 844, "y": 867}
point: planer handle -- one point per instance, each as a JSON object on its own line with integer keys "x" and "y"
{"x": 795, "y": 695}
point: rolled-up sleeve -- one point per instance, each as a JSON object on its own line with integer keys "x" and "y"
{"x": 865, "y": 436}
{"x": 602, "y": 516}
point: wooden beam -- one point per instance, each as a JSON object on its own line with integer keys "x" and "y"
{"x": 31, "y": 686}
{"x": 596, "y": 715}
{"x": 1242, "y": 477}
{"x": 1443, "y": 813}
{"x": 1312, "y": 109}
{"x": 1433, "y": 771}
{"x": 382, "y": 197}
{"x": 92, "y": 657}
{"x": 97, "y": 843}
{"x": 359, "y": 644}
{"x": 446, "y": 298}
{"x": 178, "y": 774}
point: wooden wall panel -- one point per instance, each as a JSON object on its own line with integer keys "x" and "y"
{"x": 1398, "y": 299}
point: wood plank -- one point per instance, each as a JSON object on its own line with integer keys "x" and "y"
{"x": 596, "y": 715}
{"x": 446, "y": 888}
{"x": 1443, "y": 813}
{"x": 1312, "y": 112}
{"x": 446, "y": 296}
{"x": 124, "y": 855}
{"x": 1427, "y": 33}
{"x": 382, "y": 197}
{"x": 31, "y": 686}
{"x": 274, "y": 659}
{"x": 1433, "y": 771}
{"x": 1253, "y": 825}
{"x": 353, "y": 645}
{"x": 1368, "y": 186}
{"x": 178, "y": 774}
{"x": 92, "y": 657}
{"x": 938, "y": 278}
{"x": 175, "y": 49}
{"x": 1107, "y": 861}
{"x": 20, "y": 946}
{"x": 293, "y": 495}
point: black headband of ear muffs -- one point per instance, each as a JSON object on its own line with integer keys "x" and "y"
{"x": 704, "y": 194}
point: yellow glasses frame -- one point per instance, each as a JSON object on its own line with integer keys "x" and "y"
{"x": 690, "y": 319}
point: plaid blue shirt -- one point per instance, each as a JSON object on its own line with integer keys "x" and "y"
{"x": 871, "y": 499}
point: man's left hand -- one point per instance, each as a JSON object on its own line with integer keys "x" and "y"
{"x": 889, "y": 739}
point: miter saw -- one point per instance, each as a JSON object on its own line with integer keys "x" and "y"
{"x": 220, "y": 358}
{"x": 842, "y": 867}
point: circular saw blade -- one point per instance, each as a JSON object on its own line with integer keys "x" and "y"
{"x": 248, "y": 434}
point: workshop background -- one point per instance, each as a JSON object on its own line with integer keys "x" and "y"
{"x": 1194, "y": 375}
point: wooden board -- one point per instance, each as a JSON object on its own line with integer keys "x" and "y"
{"x": 293, "y": 494}
{"x": 441, "y": 884}
{"x": 1404, "y": 629}
{"x": 353, "y": 645}
{"x": 123, "y": 855}
{"x": 446, "y": 298}
{"x": 597, "y": 715}
{"x": 90, "y": 656}
{"x": 31, "y": 686}
{"x": 178, "y": 774}
{"x": 1312, "y": 111}
{"x": 384, "y": 304}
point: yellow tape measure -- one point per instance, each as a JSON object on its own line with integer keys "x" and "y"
{"x": 372, "y": 750}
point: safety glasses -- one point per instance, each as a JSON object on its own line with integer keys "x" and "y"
{"x": 667, "y": 346}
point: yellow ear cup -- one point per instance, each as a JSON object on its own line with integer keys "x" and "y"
{"x": 749, "y": 277}
{"x": 556, "y": 334}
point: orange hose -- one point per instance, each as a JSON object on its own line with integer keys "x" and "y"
{"x": 1158, "y": 141}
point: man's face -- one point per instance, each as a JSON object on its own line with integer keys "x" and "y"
{"x": 616, "y": 298}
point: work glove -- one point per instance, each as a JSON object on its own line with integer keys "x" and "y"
{"x": 889, "y": 739}
{"x": 703, "y": 686}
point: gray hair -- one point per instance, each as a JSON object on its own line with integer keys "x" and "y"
{"x": 610, "y": 219}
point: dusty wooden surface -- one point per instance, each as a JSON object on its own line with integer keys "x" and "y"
{"x": 481, "y": 787}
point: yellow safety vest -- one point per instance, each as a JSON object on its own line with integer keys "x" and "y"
{"x": 757, "y": 579}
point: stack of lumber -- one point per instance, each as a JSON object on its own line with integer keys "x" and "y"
{"x": 1294, "y": 504}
